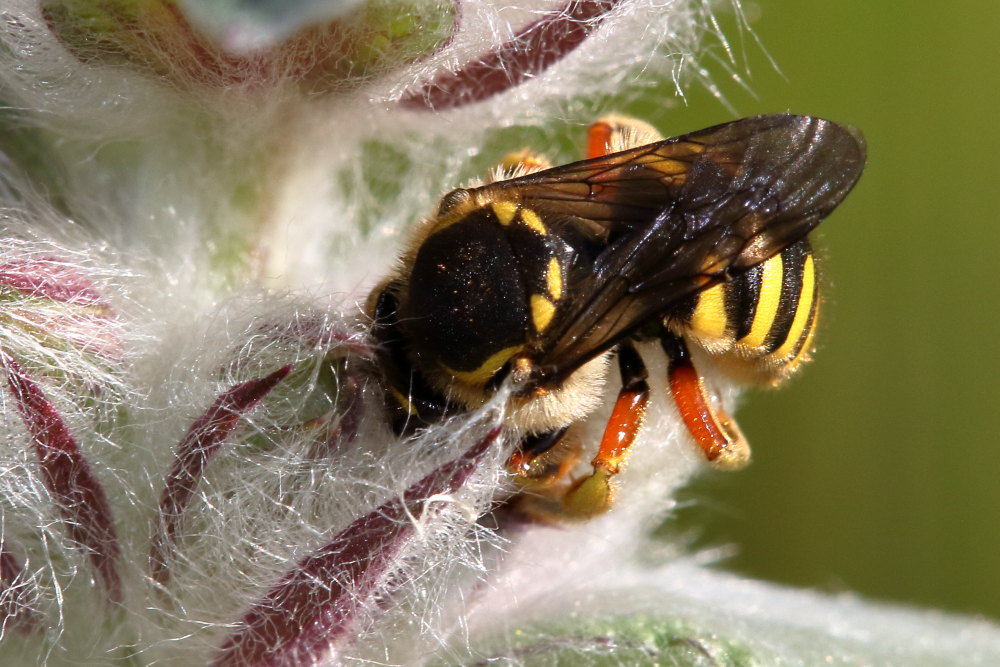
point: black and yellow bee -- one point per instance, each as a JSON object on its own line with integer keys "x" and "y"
{"x": 541, "y": 277}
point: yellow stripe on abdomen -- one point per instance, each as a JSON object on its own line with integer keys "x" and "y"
{"x": 709, "y": 320}
{"x": 768, "y": 300}
{"x": 807, "y": 343}
{"x": 802, "y": 311}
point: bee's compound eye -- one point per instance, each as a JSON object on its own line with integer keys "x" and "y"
{"x": 452, "y": 199}
{"x": 465, "y": 307}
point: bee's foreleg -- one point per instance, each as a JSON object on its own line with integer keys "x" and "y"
{"x": 545, "y": 459}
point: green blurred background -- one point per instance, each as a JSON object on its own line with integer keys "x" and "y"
{"x": 876, "y": 470}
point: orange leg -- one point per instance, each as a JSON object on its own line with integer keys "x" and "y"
{"x": 522, "y": 162}
{"x": 711, "y": 427}
{"x": 614, "y": 132}
{"x": 595, "y": 494}
{"x": 543, "y": 459}
{"x": 598, "y": 137}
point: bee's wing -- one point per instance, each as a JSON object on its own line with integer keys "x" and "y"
{"x": 679, "y": 216}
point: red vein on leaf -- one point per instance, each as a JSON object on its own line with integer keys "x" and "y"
{"x": 534, "y": 49}
{"x": 312, "y": 609}
{"x": 66, "y": 474}
{"x": 195, "y": 450}
{"x": 15, "y": 612}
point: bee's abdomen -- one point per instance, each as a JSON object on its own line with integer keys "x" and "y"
{"x": 765, "y": 314}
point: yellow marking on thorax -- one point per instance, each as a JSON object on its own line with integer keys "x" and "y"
{"x": 504, "y": 211}
{"x": 478, "y": 376}
{"x": 709, "y": 319}
{"x": 542, "y": 311}
{"x": 553, "y": 279}
{"x": 531, "y": 219}
{"x": 767, "y": 302}
{"x": 456, "y": 214}
{"x": 802, "y": 311}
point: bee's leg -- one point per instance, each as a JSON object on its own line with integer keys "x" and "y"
{"x": 710, "y": 426}
{"x": 519, "y": 163}
{"x": 544, "y": 459}
{"x": 618, "y": 133}
{"x": 595, "y": 494}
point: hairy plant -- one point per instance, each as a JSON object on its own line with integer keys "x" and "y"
{"x": 196, "y": 464}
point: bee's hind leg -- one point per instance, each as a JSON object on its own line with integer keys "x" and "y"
{"x": 715, "y": 432}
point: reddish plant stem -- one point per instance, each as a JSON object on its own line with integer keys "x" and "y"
{"x": 313, "y": 608}
{"x": 534, "y": 49}
{"x": 68, "y": 478}
{"x": 195, "y": 450}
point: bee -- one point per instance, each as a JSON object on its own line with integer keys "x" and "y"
{"x": 546, "y": 276}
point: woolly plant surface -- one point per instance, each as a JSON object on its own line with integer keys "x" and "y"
{"x": 196, "y": 465}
